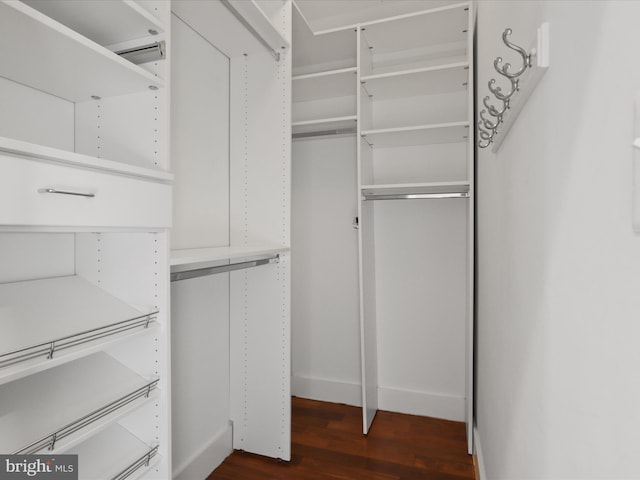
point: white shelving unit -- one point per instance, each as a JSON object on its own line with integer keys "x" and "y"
{"x": 41, "y": 417}
{"x": 126, "y": 457}
{"x": 417, "y": 135}
{"x": 414, "y": 112}
{"x": 231, "y": 146}
{"x": 84, "y": 156}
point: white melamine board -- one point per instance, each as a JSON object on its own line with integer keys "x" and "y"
{"x": 59, "y": 61}
{"x": 37, "y": 312}
{"x": 200, "y": 363}
{"x": 35, "y": 407}
{"x": 260, "y": 150}
{"x": 368, "y": 315}
{"x": 421, "y": 274}
{"x": 324, "y": 261}
{"x": 127, "y": 128}
{"x": 118, "y": 201}
{"x": 421, "y": 163}
{"x": 409, "y": 188}
{"x": 317, "y": 53}
{"x": 34, "y": 116}
{"x": 323, "y": 109}
{"x": 218, "y": 26}
{"x": 110, "y": 452}
{"x": 443, "y": 25}
{"x": 418, "y": 135}
{"x": 26, "y": 149}
{"x": 104, "y": 21}
{"x": 199, "y": 141}
{"x": 29, "y": 256}
{"x": 268, "y": 28}
{"x": 333, "y": 83}
{"x": 424, "y": 81}
{"x": 325, "y": 124}
{"x": 260, "y": 360}
{"x": 198, "y": 257}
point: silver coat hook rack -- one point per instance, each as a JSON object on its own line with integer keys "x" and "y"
{"x": 501, "y": 112}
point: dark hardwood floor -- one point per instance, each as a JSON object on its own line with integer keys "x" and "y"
{"x": 327, "y": 443}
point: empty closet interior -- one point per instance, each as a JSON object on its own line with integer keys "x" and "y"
{"x": 84, "y": 355}
{"x": 382, "y": 218}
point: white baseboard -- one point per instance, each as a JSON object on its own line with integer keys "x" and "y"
{"x": 208, "y": 458}
{"x": 426, "y": 404}
{"x": 478, "y": 453}
{"x": 326, "y": 390}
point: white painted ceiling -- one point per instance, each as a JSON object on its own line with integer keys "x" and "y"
{"x": 323, "y": 15}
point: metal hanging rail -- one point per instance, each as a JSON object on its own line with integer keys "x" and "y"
{"x": 201, "y": 272}
{"x": 413, "y": 196}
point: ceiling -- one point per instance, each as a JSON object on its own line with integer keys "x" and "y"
{"x": 327, "y": 15}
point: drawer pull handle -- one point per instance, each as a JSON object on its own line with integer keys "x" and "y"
{"x": 66, "y": 192}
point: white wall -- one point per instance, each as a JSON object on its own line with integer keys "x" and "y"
{"x": 558, "y": 263}
{"x": 325, "y": 322}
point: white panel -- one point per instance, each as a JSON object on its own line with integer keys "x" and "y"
{"x": 325, "y": 315}
{"x": 421, "y": 251}
{"x": 325, "y": 109}
{"x": 200, "y": 362}
{"x": 28, "y": 256}
{"x": 34, "y": 116}
{"x": 333, "y": 83}
{"x": 368, "y": 314}
{"x": 261, "y": 150}
{"x": 134, "y": 268}
{"x": 199, "y": 141}
{"x": 424, "y": 403}
{"x": 117, "y": 201}
{"x": 218, "y": 26}
{"x": 419, "y": 110}
{"x": 261, "y": 359}
{"x": 430, "y": 163}
{"x": 129, "y": 129}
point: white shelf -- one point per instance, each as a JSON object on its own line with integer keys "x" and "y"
{"x": 417, "y": 135}
{"x": 324, "y": 124}
{"x": 415, "y": 188}
{"x": 32, "y": 150}
{"x": 329, "y": 84}
{"x": 43, "y": 54}
{"x": 414, "y": 31}
{"x": 68, "y": 315}
{"x": 423, "y": 81}
{"x": 106, "y": 22}
{"x": 72, "y": 402}
{"x": 112, "y": 451}
{"x": 197, "y": 257}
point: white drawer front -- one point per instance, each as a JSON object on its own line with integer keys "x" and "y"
{"x": 27, "y": 196}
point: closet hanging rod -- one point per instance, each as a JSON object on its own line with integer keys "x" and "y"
{"x": 201, "y": 272}
{"x": 322, "y": 133}
{"x": 252, "y": 30}
{"x": 413, "y": 196}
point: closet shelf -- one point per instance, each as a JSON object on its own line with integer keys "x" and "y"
{"x": 453, "y": 132}
{"x": 70, "y": 318}
{"x": 334, "y": 125}
{"x": 411, "y": 32}
{"x": 61, "y": 407}
{"x": 32, "y": 150}
{"x": 328, "y": 84}
{"x": 415, "y": 188}
{"x": 114, "y": 454}
{"x": 182, "y": 260}
{"x": 104, "y": 22}
{"x": 62, "y": 62}
{"x": 423, "y": 81}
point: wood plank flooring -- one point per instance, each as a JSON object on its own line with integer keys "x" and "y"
{"x": 327, "y": 443}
